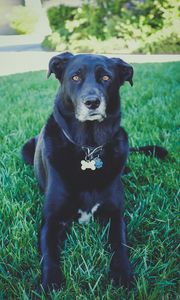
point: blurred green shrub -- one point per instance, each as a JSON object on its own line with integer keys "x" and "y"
{"x": 58, "y": 16}
{"x": 116, "y": 26}
{"x": 91, "y": 44}
{"x": 23, "y": 19}
{"x": 54, "y": 42}
{"x": 166, "y": 40}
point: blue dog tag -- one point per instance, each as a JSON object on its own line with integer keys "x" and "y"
{"x": 98, "y": 163}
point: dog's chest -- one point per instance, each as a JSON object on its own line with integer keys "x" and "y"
{"x": 69, "y": 164}
{"x": 85, "y": 216}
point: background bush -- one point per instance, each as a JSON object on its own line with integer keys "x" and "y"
{"x": 58, "y": 17}
{"x": 23, "y": 19}
{"x": 116, "y": 26}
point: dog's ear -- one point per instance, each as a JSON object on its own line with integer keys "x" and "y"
{"x": 58, "y": 63}
{"x": 125, "y": 70}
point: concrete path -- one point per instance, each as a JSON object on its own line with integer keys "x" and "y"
{"x": 20, "y": 54}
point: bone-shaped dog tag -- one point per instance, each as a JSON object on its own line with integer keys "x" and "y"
{"x": 87, "y": 164}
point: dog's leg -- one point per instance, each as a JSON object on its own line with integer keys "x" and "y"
{"x": 53, "y": 232}
{"x": 49, "y": 245}
{"x": 120, "y": 268}
{"x": 28, "y": 150}
{"x": 51, "y": 276}
{"x": 51, "y": 242}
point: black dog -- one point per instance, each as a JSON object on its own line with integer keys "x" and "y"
{"x": 79, "y": 156}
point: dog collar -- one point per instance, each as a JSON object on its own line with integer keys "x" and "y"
{"x": 92, "y": 158}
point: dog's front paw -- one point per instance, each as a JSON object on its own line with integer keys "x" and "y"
{"x": 52, "y": 280}
{"x": 121, "y": 273}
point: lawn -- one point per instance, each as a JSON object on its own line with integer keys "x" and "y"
{"x": 150, "y": 115}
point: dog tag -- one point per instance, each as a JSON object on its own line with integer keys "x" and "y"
{"x": 88, "y": 164}
{"x": 98, "y": 163}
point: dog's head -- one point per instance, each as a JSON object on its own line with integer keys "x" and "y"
{"x": 90, "y": 83}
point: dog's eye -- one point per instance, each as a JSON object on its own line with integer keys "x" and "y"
{"x": 76, "y": 78}
{"x": 105, "y": 78}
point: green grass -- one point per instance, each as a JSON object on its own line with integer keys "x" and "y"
{"x": 150, "y": 115}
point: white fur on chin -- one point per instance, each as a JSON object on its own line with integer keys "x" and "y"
{"x": 83, "y": 114}
{"x": 97, "y": 117}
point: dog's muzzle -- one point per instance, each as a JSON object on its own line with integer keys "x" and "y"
{"x": 91, "y": 108}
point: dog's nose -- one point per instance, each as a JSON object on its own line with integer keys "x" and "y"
{"x": 92, "y": 102}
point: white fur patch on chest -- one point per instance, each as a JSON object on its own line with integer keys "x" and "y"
{"x": 85, "y": 217}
